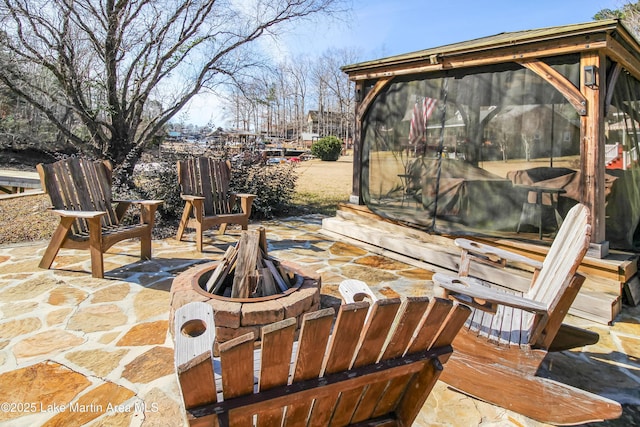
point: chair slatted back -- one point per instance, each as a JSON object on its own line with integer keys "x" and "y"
{"x": 563, "y": 259}
{"x": 79, "y": 184}
{"x": 360, "y": 368}
{"x": 208, "y": 178}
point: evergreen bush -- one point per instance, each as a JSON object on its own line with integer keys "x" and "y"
{"x": 274, "y": 186}
{"x": 327, "y": 148}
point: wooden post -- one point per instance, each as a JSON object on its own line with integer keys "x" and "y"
{"x": 356, "y": 195}
{"x": 592, "y": 150}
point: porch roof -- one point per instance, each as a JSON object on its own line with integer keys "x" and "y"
{"x": 613, "y": 28}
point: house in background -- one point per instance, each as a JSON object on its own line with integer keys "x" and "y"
{"x": 308, "y": 138}
{"x": 325, "y": 123}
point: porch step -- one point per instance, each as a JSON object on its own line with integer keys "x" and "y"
{"x": 599, "y": 300}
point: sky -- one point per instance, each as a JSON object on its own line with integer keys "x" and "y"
{"x": 387, "y": 27}
{"x": 381, "y": 28}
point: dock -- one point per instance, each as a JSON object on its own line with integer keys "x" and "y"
{"x": 17, "y": 181}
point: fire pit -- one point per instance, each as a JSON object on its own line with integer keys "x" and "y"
{"x": 247, "y": 289}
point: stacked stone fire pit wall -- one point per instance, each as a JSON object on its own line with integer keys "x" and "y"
{"x": 234, "y": 317}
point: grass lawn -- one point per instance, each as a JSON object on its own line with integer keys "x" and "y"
{"x": 322, "y": 185}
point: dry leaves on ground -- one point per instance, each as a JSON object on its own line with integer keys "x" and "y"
{"x": 25, "y": 218}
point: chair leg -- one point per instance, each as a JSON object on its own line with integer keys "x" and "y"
{"x": 58, "y": 238}
{"x": 148, "y": 218}
{"x": 423, "y": 382}
{"x": 223, "y": 228}
{"x": 145, "y": 245}
{"x": 244, "y": 223}
{"x": 246, "y": 204}
{"x": 184, "y": 220}
{"x": 198, "y": 213}
{"x": 199, "y": 236}
{"x": 465, "y": 262}
{"x": 95, "y": 247}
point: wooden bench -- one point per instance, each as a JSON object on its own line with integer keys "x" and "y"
{"x": 508, "y": 334}
{"x": 80, "y": 192}
{"x": 362, "y": 367}
{"x": 205, "y": 188}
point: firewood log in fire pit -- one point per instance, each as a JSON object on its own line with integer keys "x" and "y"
{"x": 247, "y": 271}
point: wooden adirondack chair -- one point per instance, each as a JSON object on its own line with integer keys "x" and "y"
{"x": 80, "y": 192}
{"x": 508, "y": 335}
{"x": 204, "y": 185}
{"x": 335, "y": 374}
{"x": 353, "y": 290}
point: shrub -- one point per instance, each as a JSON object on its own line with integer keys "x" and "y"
{"x": 159, "y": 181}
{"x": 274, "y": 186}
{"x": 153, "y": 181}
{"x": 327, "y": 148}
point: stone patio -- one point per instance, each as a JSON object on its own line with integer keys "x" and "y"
{"x": 75, "y": 350}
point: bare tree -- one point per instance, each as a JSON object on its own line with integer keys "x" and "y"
{"x": 298, "y": 69}
{"x": 629, "y": 14}
{"x": 278, "y": 96}
{"x": 238, "y": 105}
{"x": 334, "y": 91}
{"x": 340, "y": 88}
{"x": 107, "y": 59}
{"x": 268, "y": 93}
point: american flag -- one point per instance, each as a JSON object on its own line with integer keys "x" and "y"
{"x": 420, "y": 117}
{"x": 428, "y": 105}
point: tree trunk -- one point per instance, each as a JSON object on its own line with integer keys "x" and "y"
{"x": 123, "y": 171}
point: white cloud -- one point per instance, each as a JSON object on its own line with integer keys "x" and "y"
{"x": 204, "y": 109}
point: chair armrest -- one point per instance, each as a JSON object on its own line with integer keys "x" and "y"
{"x": 141, "y": 202}
{"x": 147, "y": 208}
{"x": 495, "y": 254}
{"x": 352, "y": 290}
{"x": 471, "y": 288}
{"x": 79, "y": 214}
{"x": 245, "y": 195}
{"x": 146, "y": 202}
{"x": 190, "y": 198}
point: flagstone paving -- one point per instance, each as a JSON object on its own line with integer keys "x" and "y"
{"x": 75, "y": 350}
